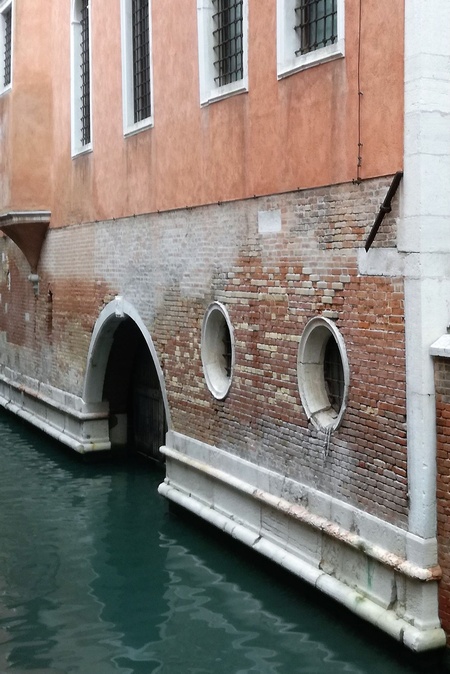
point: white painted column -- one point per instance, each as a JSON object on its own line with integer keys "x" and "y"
{"x": 424, "y": 234}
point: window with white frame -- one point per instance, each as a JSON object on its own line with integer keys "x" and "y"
{"x": 81, "y": 77}
{"x": 308, "y": 32}
{"x": 136, "y": 65}
{"x": 218, "y": 350}
{"x": 323, "y": 373}
{"x": 222, "y": 36}
{"x": 5, "y": 45}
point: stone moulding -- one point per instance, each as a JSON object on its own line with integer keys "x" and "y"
{"x": 63, "y": 416}
{"x": 28, "y": 230}
{"x": 371, "y": 567}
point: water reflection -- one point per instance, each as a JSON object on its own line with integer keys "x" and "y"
{"x": 97, "y": 577}
{"x": 214, "y": 625}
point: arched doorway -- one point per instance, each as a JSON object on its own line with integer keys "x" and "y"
{"x": 123, "y": 371}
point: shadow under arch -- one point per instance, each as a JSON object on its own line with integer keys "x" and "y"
{"x": 123, "y": 370}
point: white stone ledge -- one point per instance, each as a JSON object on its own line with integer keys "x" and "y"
{"x": 357, "y": 603}
{"x": 57, "y": 399}
{"x": 371, "y": 528}
{"x": 381, "y": 572}
{"x": 302, "y": 514}
{"x": 380, "y": 262}
{"x": 63, "y": 416}
{"x": 441, "y": 347}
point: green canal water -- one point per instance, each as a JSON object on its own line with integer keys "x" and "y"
{"x": 99, "y": 576}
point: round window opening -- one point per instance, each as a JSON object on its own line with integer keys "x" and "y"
{"x": 323, "y": 373}
{"x": 217, "y": 350}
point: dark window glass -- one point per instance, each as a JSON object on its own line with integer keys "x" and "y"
{"x": 85, "y": 110}
{"x": 333, "y": 373}
{"x": 316, "y": 24}
{"x": 227, "y": 350}
{"x": 7, "y": 20}
{"x": 228, "y": 41}
{"x": 141, "y": 60}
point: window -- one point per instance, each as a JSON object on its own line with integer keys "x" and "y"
{"x": 81, "y": 77}
{"x": 222, "y": 34}
{"x": 316, "y": 24}
{"x": 5, "y": 45}
{"x": 228, "y": 42}
{"x": 308, "y": 32}
{"x": 333, "y": 374}
{"x": 323, "y": 373}
{"x": 136, "y": 65}
{"x": 217, "y": 350}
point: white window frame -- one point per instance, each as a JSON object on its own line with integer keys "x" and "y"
{"x": 75, "y": 81}
{"x": 209, "y": 91}
{"x": 288, "y": 42}
{"x": 216, "y": 323}
{"x": 310, "y": 373}
{"x": 131, "y": 127}
{"x": 4, "y": 7}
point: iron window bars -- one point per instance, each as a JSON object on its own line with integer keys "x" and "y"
{"x": 7, "y": 23}
{"x": 228, "y": 41}
{"x": 141, "y": 60}
{"x": 333, "y": 373}
{"x": 85, "y": 108}
{"x": 228, "y": 351}
{"x": 316, "y": 24}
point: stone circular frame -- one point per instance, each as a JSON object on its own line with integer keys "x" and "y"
{"x": 217, "y": 350}
{"x": 312, "y": 383}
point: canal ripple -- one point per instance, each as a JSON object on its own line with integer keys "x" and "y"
{"x": 98, "y": 577}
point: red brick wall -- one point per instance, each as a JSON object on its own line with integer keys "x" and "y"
{"x": 442, "y": 380}
{"x": 170, "y": 266}
{"x": 275, "y": 285}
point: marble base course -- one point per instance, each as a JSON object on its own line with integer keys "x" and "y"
{"x": 378, "y": 571}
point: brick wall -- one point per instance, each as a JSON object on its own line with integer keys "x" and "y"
{"x": 170, "y": 266}
{"x": 442, "y": 381}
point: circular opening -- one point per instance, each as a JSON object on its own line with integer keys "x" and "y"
{"x": 323, "y": 373}
{"x": 217, "y": 350}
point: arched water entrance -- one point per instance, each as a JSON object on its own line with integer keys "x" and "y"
{"x": 123, "y": 371}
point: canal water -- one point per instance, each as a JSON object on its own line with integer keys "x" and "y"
{"x": 99, "y": 576}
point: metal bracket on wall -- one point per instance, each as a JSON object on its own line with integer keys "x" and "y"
{"x": 34, "y": 280}
{"x": 384, "y": 208}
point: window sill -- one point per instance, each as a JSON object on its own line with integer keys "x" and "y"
{"x": 441, "y": 347}
{"x": 220, "y": 93}
{"x": 5, "y": 90}
{"x": 79, "y": 152}
{"x": 314, "y": 58}
{"x": 133, "y": 129}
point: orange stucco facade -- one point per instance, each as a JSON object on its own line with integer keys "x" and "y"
{"x": 301, "y": 131}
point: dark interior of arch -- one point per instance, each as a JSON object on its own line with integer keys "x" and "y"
{"x": 132, "y": 388}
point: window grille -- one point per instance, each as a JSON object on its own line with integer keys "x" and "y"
{"x": 228, "y": 351}
{"x": 228, "y": 41}
{"x": 316, "y": 24}
{"x": 333, "y": 373}
{"x": 141, "y": 60}
{"x": 85, "y": 110}
{"x": 7, "y": 16}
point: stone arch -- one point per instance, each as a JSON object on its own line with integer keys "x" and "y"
{"x": 123, "y": 369}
